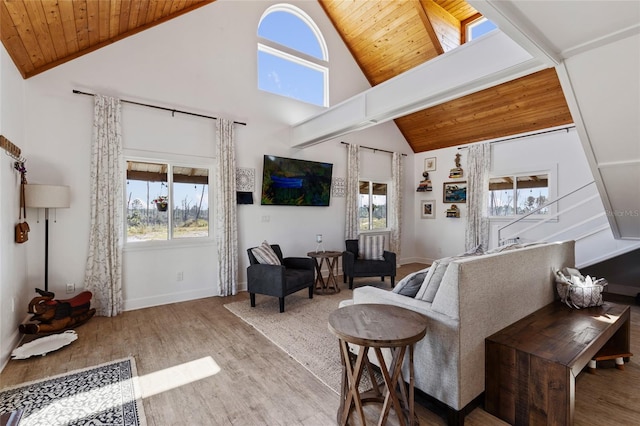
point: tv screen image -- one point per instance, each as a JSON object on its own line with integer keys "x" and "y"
{"x": 291, "y": 182}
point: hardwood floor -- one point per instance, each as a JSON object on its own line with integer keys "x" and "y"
{"x": 258, "y": 383}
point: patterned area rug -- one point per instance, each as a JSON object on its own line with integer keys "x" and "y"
{"x": 302, "y": 329}
{"x": 107, "y": 394}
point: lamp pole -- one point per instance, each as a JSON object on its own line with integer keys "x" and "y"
{"x": 46, "y": 249}
{"x": 46, "y": 197}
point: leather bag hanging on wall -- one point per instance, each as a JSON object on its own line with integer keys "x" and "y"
{"x": 22, "y": 227}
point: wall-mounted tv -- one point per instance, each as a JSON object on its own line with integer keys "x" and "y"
{"x": 291, "y": 182}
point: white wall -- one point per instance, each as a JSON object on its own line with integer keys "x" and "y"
{"x": 210, "y": 68}
{"x": 560, "y": 151}
{"x": 14, "y": 291}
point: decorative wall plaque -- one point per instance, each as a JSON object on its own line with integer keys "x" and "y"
{"x": 245, "y": 180}
{"x": 338, "y": 187}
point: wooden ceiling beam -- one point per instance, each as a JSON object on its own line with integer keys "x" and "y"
{"x": 428, "y": 26}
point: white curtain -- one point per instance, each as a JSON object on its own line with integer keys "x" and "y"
{"x": 478, "y": 165}
{"x": 225, "y": 199}
{"x": 395, "y": 216}
{"x": 352, "y": 192}
{"x": 103, "y": 273}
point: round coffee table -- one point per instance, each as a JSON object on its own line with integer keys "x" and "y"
{"x": 331, "y": 258}
{"x": 377, "y": 326}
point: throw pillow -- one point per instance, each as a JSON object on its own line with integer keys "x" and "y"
{"x": 505, "y": 247}
{"x": 409, "y": 285}
{"x": 433, "y": 279}
{"x": 371, "y": 247}
{"x": 264, "y": 254}
{"x": 475, "y": 251}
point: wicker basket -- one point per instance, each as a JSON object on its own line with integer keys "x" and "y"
{"x": 577, "y": 291}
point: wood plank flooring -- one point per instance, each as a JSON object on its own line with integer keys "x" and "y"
{"x": 259, "y": 384}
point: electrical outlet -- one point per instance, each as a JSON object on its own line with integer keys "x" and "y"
{"x": 180, "y": 276}
{"x": 71, "y": 287}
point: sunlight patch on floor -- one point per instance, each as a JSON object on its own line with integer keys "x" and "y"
{"x": 176, "y": 376}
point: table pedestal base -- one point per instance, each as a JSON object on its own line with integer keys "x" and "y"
{"x": 394, "y": 391}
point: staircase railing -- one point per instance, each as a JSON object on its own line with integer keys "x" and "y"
{"x": 580, "y": 225}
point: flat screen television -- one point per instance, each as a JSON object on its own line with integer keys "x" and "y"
{"x": 291, "y": 182}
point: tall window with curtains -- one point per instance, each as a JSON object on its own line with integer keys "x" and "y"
{"x": 372, "y": 206}
{"x": 292, "y": 55}
{"x": 166, "y": 201}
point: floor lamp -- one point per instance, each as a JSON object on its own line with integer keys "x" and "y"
{"x": 46, "y": 197}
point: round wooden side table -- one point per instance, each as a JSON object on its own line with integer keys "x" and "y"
{"x": 331, "y": 259}
{"x": 377, "y": 326}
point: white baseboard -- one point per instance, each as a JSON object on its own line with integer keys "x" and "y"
{"x": 165, "y": 299}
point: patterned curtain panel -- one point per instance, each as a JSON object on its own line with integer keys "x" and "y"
{"x": 395, "y": 216}
{"x": 478, "y": 165}
{"x": 103, "y": 273}
{"x": 352, "y": 192}
{"x": 226, "y": 219}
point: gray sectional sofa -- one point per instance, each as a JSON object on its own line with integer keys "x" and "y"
{"x": 477, "y": 296}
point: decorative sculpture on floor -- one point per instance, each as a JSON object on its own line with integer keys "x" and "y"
{"x": 51, "y": 315}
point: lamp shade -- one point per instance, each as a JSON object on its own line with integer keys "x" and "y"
{"x": 46, "y": 196}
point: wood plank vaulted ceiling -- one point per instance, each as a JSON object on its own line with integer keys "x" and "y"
{"x": 386, "y": 38}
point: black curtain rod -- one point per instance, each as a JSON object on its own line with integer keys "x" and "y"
{"x": 173, "y": 111}
{"x": 526, "y": 136}
{"x": 374, "y": 149}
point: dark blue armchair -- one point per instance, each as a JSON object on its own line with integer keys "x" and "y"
{"x": 295, "y": 274}
{"x": 353, "y": 266}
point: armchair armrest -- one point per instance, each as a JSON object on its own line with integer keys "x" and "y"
{"x": 298, "y": 263}
{"x": 389, "y": 257}
{"x": 348, "y": 259}
{"x": 266, "y": 279}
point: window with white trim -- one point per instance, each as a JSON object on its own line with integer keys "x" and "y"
{"x": 516, "y": 195}
{"x": 166, "y": 201}
{"x": 478, "y": 27}
{"x": 372, "y": 206}
{"x": 292, "y": 55}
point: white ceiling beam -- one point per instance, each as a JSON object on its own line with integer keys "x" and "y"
{"x": 482, "y": 63}
{"x": 511, "y": 21}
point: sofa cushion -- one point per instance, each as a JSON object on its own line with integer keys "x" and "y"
{"x": 432, "y": 281}
{"x": 409, "y": 285}
{"x": 264, "y": 254}
{"x": 371, "y": 247}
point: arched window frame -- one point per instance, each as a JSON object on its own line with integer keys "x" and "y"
{"x": 295, "y": 56}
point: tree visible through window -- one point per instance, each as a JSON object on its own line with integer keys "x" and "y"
{"x": 166, "y": 202}
{"x": 372, "y": 206}
{"x": 292, "y": 55}
{"x": 518, "y": 195}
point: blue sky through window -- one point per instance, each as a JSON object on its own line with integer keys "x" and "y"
{"x": 182, "y": 192}
{"x": 481, "y": 28}
{"x": 285, "y": 30}
{"x": 289, "y": 30}
{"x": 283, "y": 77}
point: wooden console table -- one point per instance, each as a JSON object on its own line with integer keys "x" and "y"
{"x": 377, "y": 326}
{"x": 532, "y": 364}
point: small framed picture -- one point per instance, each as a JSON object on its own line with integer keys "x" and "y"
{"x": 430, "y": 164}
{"x": 455, "y": 192}
{"x": 428, "y": 209}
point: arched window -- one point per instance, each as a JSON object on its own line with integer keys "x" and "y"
{"x": 292, "y": 55}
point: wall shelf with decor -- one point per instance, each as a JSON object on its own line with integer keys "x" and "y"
{"x": 453, "y": 212}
